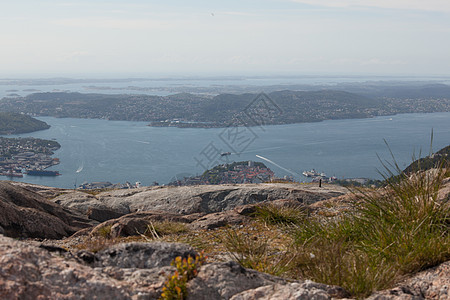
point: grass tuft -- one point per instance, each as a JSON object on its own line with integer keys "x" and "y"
{"x": 275, "y": 214}
{"x": 158, "y": 229}
{"x": 392, "y": 232}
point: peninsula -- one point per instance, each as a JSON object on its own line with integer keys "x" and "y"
{"x": 232, "y": 173}
{"x": 15, "y": 123}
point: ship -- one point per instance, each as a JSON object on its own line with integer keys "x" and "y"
{"x": 225, "y": 153}
{"x": 42, "y": 173}
{"x": 312, "y": 173}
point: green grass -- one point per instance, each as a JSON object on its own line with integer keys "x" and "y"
{"x": 274, "y": 214}
{"x": 389, "y": 233}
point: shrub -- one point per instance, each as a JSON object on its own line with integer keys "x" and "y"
{"x": 186, "y": 269}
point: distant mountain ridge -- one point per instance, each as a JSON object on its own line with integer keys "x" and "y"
{"x": 189, "y": 110}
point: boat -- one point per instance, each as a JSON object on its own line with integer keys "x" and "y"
{"x": 42, "y": 173}
{"x": 225, "y": 153}
{"x": 312, "y": 173}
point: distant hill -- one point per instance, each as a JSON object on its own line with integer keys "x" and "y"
{"x": 14, "y": 123}
{"x": 191, "y": 110}
{"x": 429, "y": 162}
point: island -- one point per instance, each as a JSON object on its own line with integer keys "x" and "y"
{"x": 16, "y": 123}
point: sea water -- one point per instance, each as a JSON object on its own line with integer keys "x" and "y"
{"x": 120, "y": 151}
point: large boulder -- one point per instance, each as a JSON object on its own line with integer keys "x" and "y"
{"x": 142, "y": 255}
{"x": 85, "y": 202}
{"x": 220, "y": 219}
{"x": 24, "y": 213}
{"x": 223, "y": 280}
{"x": 102, "y": 215}
{"x": 229, "y": 280}
{"x": 196, "y": 199}
{"x": 30, "y": 272}
{"x": 293, "y": 291}
{"x": 46, "y": 191}
{"x": 126, "y": 271}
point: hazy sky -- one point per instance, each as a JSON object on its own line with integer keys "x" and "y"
{"x": 138, "y": 37}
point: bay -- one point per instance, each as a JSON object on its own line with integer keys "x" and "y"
{"x": 120, "y": 151}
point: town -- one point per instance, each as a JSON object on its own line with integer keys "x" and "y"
{"x": 27, "y": 155}
{"x": 236, "y": 172}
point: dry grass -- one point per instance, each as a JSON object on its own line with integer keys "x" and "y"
{"x": 157, "y": 229}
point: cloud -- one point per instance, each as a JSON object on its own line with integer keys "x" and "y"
{"x": 429, "y": 5}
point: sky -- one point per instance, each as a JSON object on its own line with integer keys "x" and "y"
{"x": 233, "y": 37}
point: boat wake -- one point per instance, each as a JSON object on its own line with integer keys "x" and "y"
{"x": 80, "y": 168}
{"x": 274, "y": 163}
{"x": 258, "y": 150}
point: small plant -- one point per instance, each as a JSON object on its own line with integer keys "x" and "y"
{"x": 104, "y": 231}
{"x": 175, "y": 287}
{"x": 281, "y": 215}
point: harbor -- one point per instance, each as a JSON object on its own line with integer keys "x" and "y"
{"x": 28, "y": 156}
{"x": 318, "y": 176}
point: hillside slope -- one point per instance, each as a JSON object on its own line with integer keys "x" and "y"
{"x": 14, "y": 123}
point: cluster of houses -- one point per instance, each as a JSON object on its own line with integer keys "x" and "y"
{"x": 19, "y": 163}
{"x": 240, "y": 173}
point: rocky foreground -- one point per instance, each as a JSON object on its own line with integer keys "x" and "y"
{"x": 46, "y": 262}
